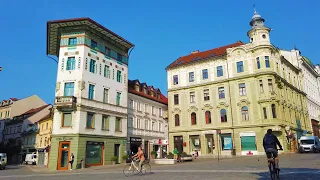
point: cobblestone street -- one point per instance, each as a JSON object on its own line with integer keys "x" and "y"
{"x": 293, "y": 166}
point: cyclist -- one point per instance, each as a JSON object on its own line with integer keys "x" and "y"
{"x": 270, "y": 143}
{"x": 140, "y": 156}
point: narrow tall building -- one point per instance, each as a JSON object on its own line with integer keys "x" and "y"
{"x": 90, "y": 110}
{"x": 223, "y": 100}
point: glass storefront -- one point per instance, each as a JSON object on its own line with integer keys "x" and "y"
{"x": 226, "y": 142}
{"x": 195, "y": 144}
{"x": 94, "y": 153}
{"x": 210, "y": 143}
{"x": 248, "y": 143}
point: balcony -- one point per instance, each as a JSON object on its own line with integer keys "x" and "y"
{"x": 65, "y": 102}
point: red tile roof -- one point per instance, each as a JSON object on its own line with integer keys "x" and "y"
{"x": 46, "y": 117}
{"x": 35, "y": 110}
{"x": 14, "y": 99}
{"x": 131, "y": 83}
{"x": 204, "y": 54}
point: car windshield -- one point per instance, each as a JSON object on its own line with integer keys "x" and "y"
{"x": 310, "y": 141}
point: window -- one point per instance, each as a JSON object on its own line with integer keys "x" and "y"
{"x": 68, "y": 89}
{"x": 105, "y": 95}
{"x": 146, "y": 108}
{"x": 106, "y": 72}
{"x": 131, "y": 102}
{"x": 265, "y": 116}
{"x": 176, "y": 99}
{"x": 191, "y": 76}
{"x": 160, "y": 127}
{"x": 118, "y": 126}
{"x": 119, "y": 78}
{"x": 223, "y": 115}
{"x": 277, "y": 67}
{"x": 118, "y": 98}
{"x": 66, "y": 119}
{"x": 107, "y": 51}
{"x": 258, "y": 63}
{"x": 193, "y": 118}
{"x": 138, "y": 123}
{"x": 71, "y": 63}
{"x": 274, "y": 113}
{"x": 119, "y": 57}
{"x": 153, "y": 110}
{"x": 153, "y": 128}
{"x": 90, "y": 120}
{"x": 206, "y": 95}
{"x": 261, "y": 86}
{"x": 72, "y": 41}
{"x": 244, "y": 112}
{"x": 242, "y": 89}
{"x": 138, "y": 106}
{"x": 91, "y": 91}
{"x": 92, "y": 66}
{"x": 175, "y": 80}
{"x": 160, "y": 112}
{"x": 205, "y": 74}
{"x": 221, "y": 93}
{"x": 47, "y": 126}
{"x": 176, "y": 120}
{"x": 266, "y": 58}
{"x": 248, "y": 143}
{"x": 192, "y": 97}
{"x": 130, "y": 123}
{"x": 208, "y": 117}
{"x": 239, "y": 66}
{"x": 93, "y": 44}
{"x": 146, "y": 124}
{"x": 219, "y": 71}
{"x": 270, "y": 85}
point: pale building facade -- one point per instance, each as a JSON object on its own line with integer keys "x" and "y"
{"x": 90, "y": 111}
{"x": 147, "y": 119}
{"x": 239, "y": 90}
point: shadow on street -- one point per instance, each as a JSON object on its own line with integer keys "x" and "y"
{"x": 293, "y": 173}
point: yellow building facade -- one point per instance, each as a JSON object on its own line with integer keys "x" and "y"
{"x": 222, "y": 101}
{"x": 44, "y": 139}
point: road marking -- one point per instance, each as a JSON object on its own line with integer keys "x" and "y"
{"x": 163, "y": 171}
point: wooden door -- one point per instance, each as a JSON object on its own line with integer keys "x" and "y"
{"x": 64, "y": 155}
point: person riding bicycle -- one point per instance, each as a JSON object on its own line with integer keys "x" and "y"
{"x": 140, "y": 156}
{"x": 270, "y": 142}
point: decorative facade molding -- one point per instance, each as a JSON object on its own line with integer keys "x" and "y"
{"x": 192, "y": 109}
{"x": 176, "y": 110}
{"x": 222, "y": 104}
{"x": 243, "y": 102}
{"x": 207, "y": 107}
{"x": 82, "y": 85}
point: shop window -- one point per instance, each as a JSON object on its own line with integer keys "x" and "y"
{"x": 226, "y": 142}
{"x": 94, "y": 153}
{"x": 248, "y": 143}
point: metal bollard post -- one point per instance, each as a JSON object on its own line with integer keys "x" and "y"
{"x": 83, "y": 164}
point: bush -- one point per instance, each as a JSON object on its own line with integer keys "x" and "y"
{"x": 170, "y": 153}
{"x": 170, "y": 156}
{"x": 124, "y": 157}
{"x": 153, "y": 153}
{"x": 114, "y": 158}
{"x": 183, "y": 154}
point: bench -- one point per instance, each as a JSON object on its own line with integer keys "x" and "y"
{"x": 164, "y": 161}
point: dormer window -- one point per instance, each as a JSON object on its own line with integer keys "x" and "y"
{"x": 158, "y": 96}
{"x": 137, "y": 88}
{"x": 152, "y": 94}
{"x": 144, "y": 90}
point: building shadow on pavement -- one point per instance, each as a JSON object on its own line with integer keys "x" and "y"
{"x": 293, "y": 174}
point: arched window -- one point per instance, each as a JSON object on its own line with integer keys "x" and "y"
{"x": 244, "y": 112}
{"x": 176, "y": 120}
{"x": 273, "y": 108}
{"x": 193, "y": 118}
{"x": 208, "y": 117}
{"x": 223, "y": 115}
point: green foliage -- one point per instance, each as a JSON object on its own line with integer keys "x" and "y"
{"x": 153, "y": 153}
{"x": 11, "y": 147}
{"x": 124, "y": 157}
{"x": 114, "y": 158}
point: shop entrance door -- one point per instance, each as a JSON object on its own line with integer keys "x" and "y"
{"x": 63, "y": 155}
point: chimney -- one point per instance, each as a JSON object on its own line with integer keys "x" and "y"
{"x": 194, "y": 52}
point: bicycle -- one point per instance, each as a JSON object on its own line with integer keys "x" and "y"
{"x": 274, "y": 172}
{"x": 133, "y": 168}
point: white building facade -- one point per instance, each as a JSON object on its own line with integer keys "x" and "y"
{"x": 90, "y": 116}
{"x": 147, "y": 119}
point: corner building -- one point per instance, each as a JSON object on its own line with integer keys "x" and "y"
{"x": 241, "y": 90}
{"x": 90, "y": 109}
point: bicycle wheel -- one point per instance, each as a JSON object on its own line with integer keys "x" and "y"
{"x": 272, "y": 171}
{"x": 278, "y": 173}
{"x": 146, "y": 169}
{"x": 128, "y": 170}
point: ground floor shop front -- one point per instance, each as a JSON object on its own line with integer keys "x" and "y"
{"x": 229, "y": 142}
{"x": 159, "y": 146}
{"x": 89, "y": 150}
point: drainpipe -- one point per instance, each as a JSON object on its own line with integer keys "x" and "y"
{"x": 229, "y": 90}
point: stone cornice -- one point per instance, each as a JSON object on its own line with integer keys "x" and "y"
{"x": 99, "y": 110}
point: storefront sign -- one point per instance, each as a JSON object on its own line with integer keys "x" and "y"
{"x": 227, "y": 143}
{"x": 95, "y": 143}
{"x": 133, "y": 139}
{"x": 196, "y": 142}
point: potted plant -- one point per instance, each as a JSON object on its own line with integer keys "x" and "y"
{"x": 153, "y": 154}
{"x": 125, "y": 157}
{"x": 114, "y": 160}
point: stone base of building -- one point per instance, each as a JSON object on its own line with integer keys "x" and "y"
{"x": 230, "y": 143}
{"x": 90, "y": 150}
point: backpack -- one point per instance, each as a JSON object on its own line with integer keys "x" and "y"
{"x": 269, "y": 139}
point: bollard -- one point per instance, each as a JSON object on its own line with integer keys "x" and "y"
{"x": 83, "y": 164}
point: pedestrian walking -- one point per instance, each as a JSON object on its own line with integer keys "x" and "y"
{"x": 175, "y": 153}
{"x": 71, "y": 160}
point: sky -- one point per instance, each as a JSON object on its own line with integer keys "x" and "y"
{"x": 161, "y": 31}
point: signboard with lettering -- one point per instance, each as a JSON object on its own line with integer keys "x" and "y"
{"x": 133, "y": 139}
{"x": 227, "y": 143}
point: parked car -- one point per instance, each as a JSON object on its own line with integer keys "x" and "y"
{"x": 31, "y": 159}
{"x": 309, "y": 144}
{"x": 3, "y": 160}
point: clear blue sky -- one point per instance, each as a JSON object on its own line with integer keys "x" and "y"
{"x": 161, "y": 30}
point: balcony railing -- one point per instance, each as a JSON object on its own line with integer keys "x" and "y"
{"x": 65, "y": 101}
